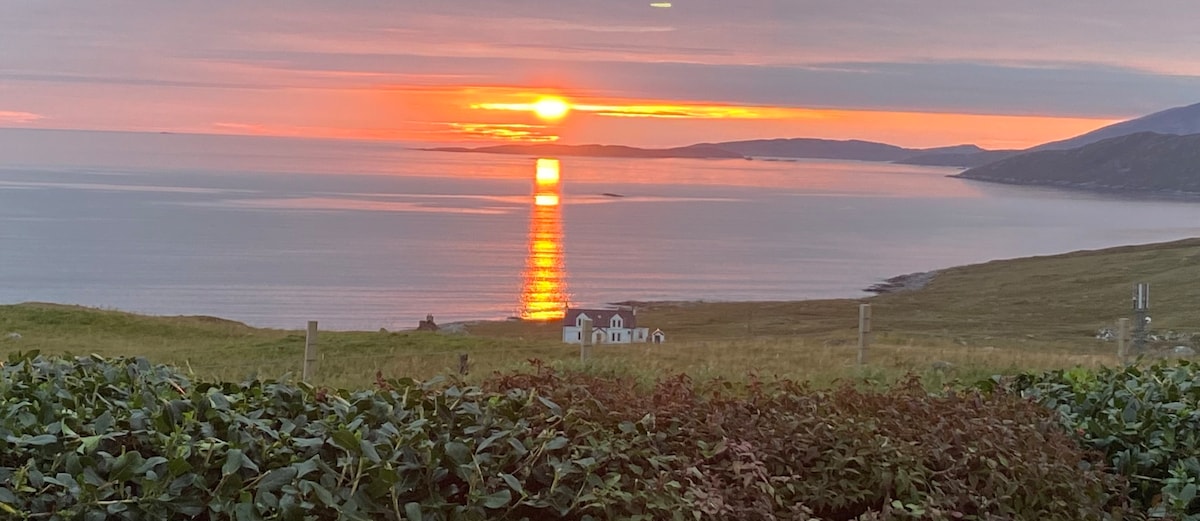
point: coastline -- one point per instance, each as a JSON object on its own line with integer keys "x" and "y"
{"x": 1122, "y": 192}
{"x": 902, "y": 283}
{"x": 897, "y": 284}
{"x": 1081, "y": 291}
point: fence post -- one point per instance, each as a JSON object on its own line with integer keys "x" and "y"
{"x": 864, "y": 332}
{"x": 462, "y": 364}
{"x": 1141, "y": 307}
{"x": 585, "y": 339}
{"x": 310, "y": 352}
{"x": 1122, "y": 340}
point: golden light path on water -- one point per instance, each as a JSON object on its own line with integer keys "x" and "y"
{"x": 544, "y": 288}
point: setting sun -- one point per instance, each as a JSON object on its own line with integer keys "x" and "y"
{"x": 551, "y": 108}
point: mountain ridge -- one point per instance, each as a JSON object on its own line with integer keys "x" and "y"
{"x": 1183, "y": 120}
{"x": 697, "y": 151}
{"x": 792, "y": 148}
{"x": 1178, "y": 121}
{"x": 1139, "y": 162}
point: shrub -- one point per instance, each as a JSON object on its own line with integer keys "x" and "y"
{"x": 123, "y": 439}
{"x": 1145, "y": 422}
{"x": 94, "y": 439}
{"x": 780, "y": 450}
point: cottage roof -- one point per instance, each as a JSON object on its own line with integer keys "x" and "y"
{"x": 602, "y": 317}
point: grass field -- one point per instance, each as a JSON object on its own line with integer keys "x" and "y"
{"x": 997, "y": 317}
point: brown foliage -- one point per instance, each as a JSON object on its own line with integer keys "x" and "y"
{"x": 780, "y": 450}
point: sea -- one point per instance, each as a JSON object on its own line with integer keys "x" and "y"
{"x": 362, "y": 235}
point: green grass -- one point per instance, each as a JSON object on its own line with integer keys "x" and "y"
{"x": 997, "y": 317}
{"x": 216, "y": 348}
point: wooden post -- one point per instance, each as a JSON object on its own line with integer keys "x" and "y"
{"x": 1122, "y": 340}
{"x": 310, "y": 352}
{"x": 864, "y": 332}
{"x": 585, "y": 339}
{"x": 1141, "y": 306}
{"x": 462, "y": 364}
{"x": 749, "y": 320}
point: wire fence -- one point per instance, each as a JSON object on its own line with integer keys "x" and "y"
{"x": 877, "y": 342}
{"x": 887, "y": 349}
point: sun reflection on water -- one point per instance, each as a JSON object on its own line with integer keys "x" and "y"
{"x": 544, "y": 289}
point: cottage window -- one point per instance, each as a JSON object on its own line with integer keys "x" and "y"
{"x": 578, "y": 335}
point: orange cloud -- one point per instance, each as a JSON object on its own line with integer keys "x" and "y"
{"x": 640, "y": 109}
{"x": 466, "y": 114}
{"x": 909, "y": 129}
{"x": 684, "y": 123}
{"x": 509, "y": 132}
{"x": 16, "y": 117}
{"x": 267, "y": 129}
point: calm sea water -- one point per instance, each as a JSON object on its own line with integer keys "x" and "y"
{"x": 275, "y": 232}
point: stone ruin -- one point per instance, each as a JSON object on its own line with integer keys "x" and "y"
{"x": 427, "y": 324}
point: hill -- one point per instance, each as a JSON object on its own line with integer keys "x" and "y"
{"x": 689, "y": 152}
{"x": 798, "y": 148}
{"x": 854, "y": 149}
{"x": 998, "y": 317}
{"x": 966, "y": 160}
{"x": 1141, "y": 162}
{"x": 1177, "y": 121}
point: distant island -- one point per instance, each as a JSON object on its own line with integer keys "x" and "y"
{"x": 1141, "y": 162}
{"x": 1159, "y": 152}
{"x": 792, "y": 148}
{"x": 959, "y": 159}
{"x": 688, "y": 152}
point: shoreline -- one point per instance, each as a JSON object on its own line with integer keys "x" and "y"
{"x": 1120, "y": 192}
{"x": 897, "y": 284}
{"x": 903, "y": 283}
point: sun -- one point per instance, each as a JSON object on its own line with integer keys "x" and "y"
{"x": 551, "y": 108}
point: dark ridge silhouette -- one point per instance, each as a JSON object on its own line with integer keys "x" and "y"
{"x": 1179, "y": 121}
{"x": 1141, "y": 162}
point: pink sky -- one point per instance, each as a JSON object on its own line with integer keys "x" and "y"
{"x": 908, "y": 72}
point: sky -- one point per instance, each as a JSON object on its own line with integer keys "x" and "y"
{"x": 916, "y": 73}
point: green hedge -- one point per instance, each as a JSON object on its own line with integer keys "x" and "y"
{"x": 95, "y": 439}
{"x": 1144, "y": 420}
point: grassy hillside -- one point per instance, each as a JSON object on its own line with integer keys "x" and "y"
{"x": 225, "y": 349}
{"x": 1002, "y": 316}
{"x": 1143, "y": 162}
{"x": 1050, "y": 302}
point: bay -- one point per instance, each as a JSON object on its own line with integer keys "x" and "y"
{"x": 361, "y": 235}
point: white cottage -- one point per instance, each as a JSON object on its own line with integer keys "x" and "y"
{"x": 609, "y": 326}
